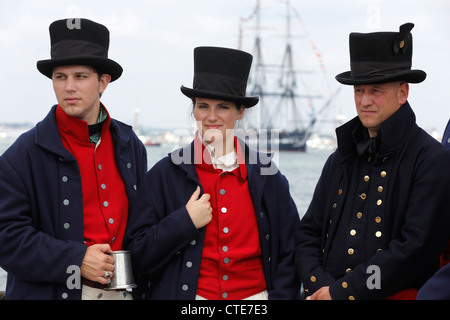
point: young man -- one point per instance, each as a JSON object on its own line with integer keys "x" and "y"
{"x": 379, "y": 218}
{"x": 66, "y": 186}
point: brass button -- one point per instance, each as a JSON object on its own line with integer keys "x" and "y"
{"x": 385, "y": 160}
{"x": 377, "y": 219}
{"x": 379, "y": 202}
{"x": 334, "y": 205}
{"x": 383, "y": 174}
{"x": 348, "y": 270}
{"x": 363, "y": 196}
{"x": 313, "y": 279}
{"x": 344, "y": 285}
{"x": 351, "y": 298}
{"x": 380, "y": 189}
{"x": 366, "y": 178}
{"x": 359, "y": 215}
{"x": 350, "y": 251}
{"x": 353, "y": 232}
{"x": 378, "y": 234}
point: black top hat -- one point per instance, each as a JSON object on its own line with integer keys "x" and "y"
{"x": 79, "y": 42}
{"x": 381, "y": 57}
{"x": 221, "y": 73}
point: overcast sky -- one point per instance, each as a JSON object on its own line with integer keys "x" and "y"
{"x": 153, "y": 40}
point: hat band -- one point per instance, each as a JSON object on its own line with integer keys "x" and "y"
{"x": 220, "y": 84}
{"x": 377, "y": 68}
{"x": 71, "y": 48}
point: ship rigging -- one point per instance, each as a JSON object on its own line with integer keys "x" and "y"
{"x": 287, "y": 112}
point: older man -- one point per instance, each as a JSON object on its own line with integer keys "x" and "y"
{"x": 378, "y": 220}
{"x": 66, "y": 185}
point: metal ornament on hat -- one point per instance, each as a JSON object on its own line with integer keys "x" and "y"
{"x": 403, "y": 39}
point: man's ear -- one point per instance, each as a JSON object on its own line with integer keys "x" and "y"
{"x": 105, "y": 79}
{"x": 403, "y": 92}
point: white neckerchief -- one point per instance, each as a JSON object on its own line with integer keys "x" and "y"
{"x": 227, "y": 162}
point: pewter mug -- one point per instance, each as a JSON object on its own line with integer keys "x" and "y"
{"x": 123, "y": 274}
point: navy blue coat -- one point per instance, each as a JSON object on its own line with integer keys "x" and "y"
{"x": 40, "y": 235}
{"x": 162, "y": 237}
{"x": 446, "y": 137}
{"x": 404, "y": 229}
{"x": 438, "y": 287}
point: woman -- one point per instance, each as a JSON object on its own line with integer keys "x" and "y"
{"x": 207, "y": 224}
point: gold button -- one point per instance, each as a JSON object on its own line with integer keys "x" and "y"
{"x": 344, "y": 285}
{"x": 352, "y": 232}
{"x": 334, "y": 205}
{"x": 331, "y": 221}
{"x": 351, "y": 298}
{"x": 383, "y": 174}
{"x": 313, "y": 279}
{"x": 378, "y": 234}
{"x": 378, "y": 250}
{"x": 348, "y": 270}
{"x": 366, "y": 178}
{"x": 380, "y": 189}
{"x": 350, "y": 251}
{"x": 401, "y": 44}
{"x": 363, "y": 196}
{"x": 379, "y": 202}
{"x": 385, "y": 160}
{"x": 359, "y": 215}
{"x": 377, "y": 219}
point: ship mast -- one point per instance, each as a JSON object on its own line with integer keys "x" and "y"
{"x": 286, "y": 99}
{"x": 287, "y": 77}
{"x": 259, "y": 69}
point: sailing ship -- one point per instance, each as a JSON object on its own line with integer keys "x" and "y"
{"x": 287, "y": 112}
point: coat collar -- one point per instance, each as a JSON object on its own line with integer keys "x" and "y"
{"x": 391, "y": 135}
{"x": 49, "y": 138}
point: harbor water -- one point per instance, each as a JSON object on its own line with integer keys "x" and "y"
{"x": 302, "y": 169}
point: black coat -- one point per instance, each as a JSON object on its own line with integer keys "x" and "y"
{"x": 405, "y": 192}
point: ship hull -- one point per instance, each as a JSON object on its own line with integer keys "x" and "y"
{"x": 279, "y": 141}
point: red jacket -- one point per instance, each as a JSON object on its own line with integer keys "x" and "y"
{"x": 231, "y": 265}
{"x": 105, "y": 202}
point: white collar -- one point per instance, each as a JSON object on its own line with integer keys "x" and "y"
{"x": 227, "y": 162}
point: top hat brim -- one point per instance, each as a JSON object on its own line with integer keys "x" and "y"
{"x": 102, "y": 65}
{"x": 410, "y": 76}
{"x": 248, "y": 102}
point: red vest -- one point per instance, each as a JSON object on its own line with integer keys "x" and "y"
{"x": 231, "y": 266}
{"x": 105, "y": 202}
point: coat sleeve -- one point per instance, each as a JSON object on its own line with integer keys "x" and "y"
{"x": 285, "y": 281}
{"x": 155, "y": 232}
{"x": 308, "y": 255}
{"x": 25, "y": 251}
